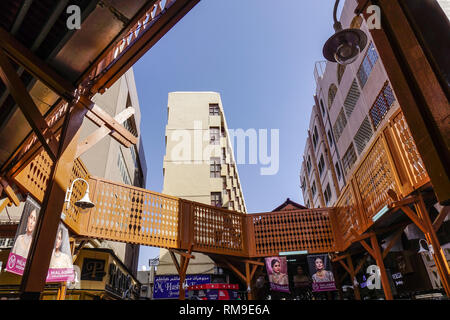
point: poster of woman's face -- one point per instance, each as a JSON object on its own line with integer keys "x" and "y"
{"x": 277, "y": 272}
{"x": 321, "y": 272}
{"x": 24, "y": 236}
{"x": 61, "y": 266}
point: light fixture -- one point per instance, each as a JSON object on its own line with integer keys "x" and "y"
{"x": 422, "y": 249}
{"x": 345, "y": 45}
{"x": 84, "y": 202}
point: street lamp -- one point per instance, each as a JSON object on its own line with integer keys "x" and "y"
{"x": 84, "y": 202}
{"x": 346, "y": 44}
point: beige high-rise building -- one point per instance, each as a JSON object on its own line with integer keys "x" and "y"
{"x": 199, "y": 164}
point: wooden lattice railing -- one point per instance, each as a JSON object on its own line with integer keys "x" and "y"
{"x": 134, "y": 215}
{"x": 391, "y": 163}
{"x": 297, "y": 230}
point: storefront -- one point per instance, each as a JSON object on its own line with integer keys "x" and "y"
{"x": 99, "y": 275}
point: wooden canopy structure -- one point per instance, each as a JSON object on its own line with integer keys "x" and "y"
{"x": 386, "y": 189}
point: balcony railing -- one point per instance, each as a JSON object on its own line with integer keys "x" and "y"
{"x": 391, "y": 163}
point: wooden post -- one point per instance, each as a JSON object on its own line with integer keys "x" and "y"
{"x": 248, "y": 278}
{"x": 408, "y": 64}
{"x": 353, "y": 276}
{"x": 438, "y": 254}
{"x": 379, "y": 260}
{"x": 33, "y": 281}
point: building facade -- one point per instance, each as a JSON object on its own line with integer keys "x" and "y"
{"x": 353, "y": 104}
{"x": 350, "y": 104}
{"x": 199, "y": 164}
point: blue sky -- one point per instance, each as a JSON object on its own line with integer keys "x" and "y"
{"x": 259, "y": 55}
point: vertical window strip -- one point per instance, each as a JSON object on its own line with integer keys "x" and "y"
{"x": 363, "y": 135}
{"x": 381, "y": 106}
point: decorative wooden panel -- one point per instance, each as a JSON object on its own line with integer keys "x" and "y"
{"x": 297, "y": 230}
{"x": 408, "y": 152}
{"x": 374, "y": 177}
{"x": 218, "y": 230}
{"x": 347, "y": 215}
{"x": 130, "y": 214}
{"x": 35, "y": 177}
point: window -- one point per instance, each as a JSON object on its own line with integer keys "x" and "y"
{"x": 331, "y": 94}
{"x": 313, "y": 188}
{"x": 224, "y": 155}
{"x": 214, "y": 135}
{"x": 214, "y": 109}
{"x": 351, "y": 99}
{"x": 216, "y": 199}
{"x": 307, "y": 204}
{"x": 315, "y": 137}
{"x": 340, "y": 72}
{"x": 327, "y": 194}
{"x": 224, "y": 182}
{"x": 214, "y": 164}
{"x": 231, "y": 205}
{"x": 322, "y": 107}
{"x": 338, "y": 170}
{"x": 363, "y": 135}
{"x": 321, "y": 165}
{"x": 303, "y": 183}
{"x": 130, "y": 125}
{"x": 330, "y": 137}
{"x": 340, "y": 124}
{"x": 6, "y": 242}
{"x": 123, "y": 169}
{"x": 349, "y": 158}
{"x": 308, "y": 164}
{"x": 367, "y": 65}
{"x": 381, "y": 105}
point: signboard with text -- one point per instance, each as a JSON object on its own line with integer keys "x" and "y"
{"x": 167, "y": 287}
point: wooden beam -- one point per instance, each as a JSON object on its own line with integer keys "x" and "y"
{"x": 379, "y": 260}
{"x": 236, "y": 271}
{"x": 9, "y": 192}
{"x": 392, "y": 242}
{"x": 441, "y": 217}
{"x": 353, "y": 275}
{"x": 175, "y": 261}
{"x": 102, "y": 132}
{"x": 36, "y": 269}
{"x": 338, "y": 258}
{"x": 26, "y": 104}
{"x": 101, "y": 117}
{"x": 347, "y": 268}
{"x": 360, "y": 264}
{"x": 415, "y": 219}
{"x": 437, "y": 252}
{"x": 368, "y": 248}
{"x": 5, "y": 203}
{"x": 24, "y": 57}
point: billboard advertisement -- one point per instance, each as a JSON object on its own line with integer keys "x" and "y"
{"x": 321, "y": 272}
{"x": 278, "y": 275}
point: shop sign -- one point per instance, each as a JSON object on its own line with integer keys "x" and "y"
{"x": 93, "y": 269}
{"x": 168, "y": 287}
{"x": 398, "y": 279}
{"x": 120, "y": 283}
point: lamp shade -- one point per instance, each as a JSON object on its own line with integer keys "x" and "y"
{"x": 344, "y": 46}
